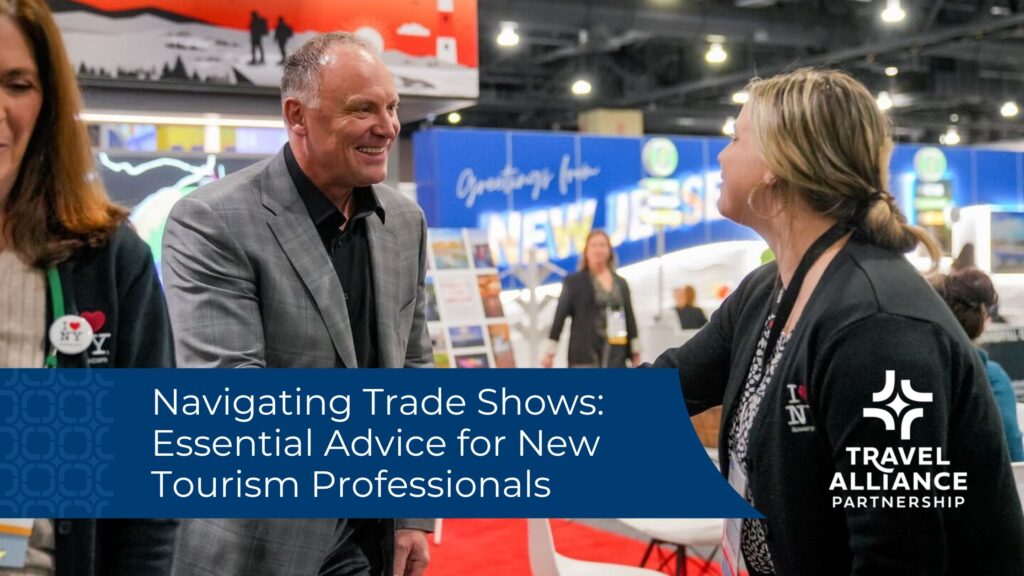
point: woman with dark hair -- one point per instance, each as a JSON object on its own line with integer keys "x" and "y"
{"x": 78, "y": 288}
{"x": 603, "y": 332}
{"x": 851, "y": 398}
{"x": 969, "y": 293}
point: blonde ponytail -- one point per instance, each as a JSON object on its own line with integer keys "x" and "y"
{"x": 822, "y": 135}
{"x": 886, "y": 226}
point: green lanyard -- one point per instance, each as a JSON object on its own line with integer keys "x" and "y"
{"x": 57, "y": 296}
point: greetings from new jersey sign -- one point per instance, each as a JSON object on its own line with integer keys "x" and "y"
{"x": 545, "y": 191}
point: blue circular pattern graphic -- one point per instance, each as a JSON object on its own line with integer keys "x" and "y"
{"x": 54, "y": 440}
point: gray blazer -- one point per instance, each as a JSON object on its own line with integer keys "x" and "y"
{"x": 249, "y": 284}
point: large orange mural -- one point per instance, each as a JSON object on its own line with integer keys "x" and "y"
{"x": 430, "y": 45}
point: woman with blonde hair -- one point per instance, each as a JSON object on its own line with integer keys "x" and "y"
{"x": 603, "y": 333}
{"x": 851, "y": 398}
{"x": 78, "y": 288}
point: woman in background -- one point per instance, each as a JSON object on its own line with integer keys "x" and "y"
{"x": 969, "y": 293}
{"x": 691, "y": 317}
{"x": 603, "y": 332}
{"x": 839, "y": 350}
{"x": 69, "y": 261}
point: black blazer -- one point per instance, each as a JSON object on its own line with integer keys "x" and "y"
{"x": 870, "y": 313}
{"x": 691, "y": 318}
{"x": 115, "y": 285}
{"x": 116, "y": 288}
{"x": 578, "y": 301}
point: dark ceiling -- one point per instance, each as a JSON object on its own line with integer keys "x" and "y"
{"x": 958, "y": 60}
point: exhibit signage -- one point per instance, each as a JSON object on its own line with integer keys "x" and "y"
{"x": 544, "y": 191}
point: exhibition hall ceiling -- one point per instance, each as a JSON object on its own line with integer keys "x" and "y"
{"x": 942, "y": 68}
{"x": 947, "y": 63}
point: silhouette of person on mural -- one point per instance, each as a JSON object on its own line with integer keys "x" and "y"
{"x": 257, "y": 30}
{"x": 282, "y": 34}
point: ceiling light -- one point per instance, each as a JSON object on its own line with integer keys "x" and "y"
{"x": 508, "y": 37}
{"x": 951, "y": 137}
{"x": 729, "y": 128}
{"x": 454, "y": 118}
{"x": 581, "y": 87}
{"x": 891, "y": 71}
{"x": 1009, "y": 109}
{"x": 954, "y": 118}
{"x": 884, "y": 101}
{"x": 183, "y": 120}
{"x": 716, "y": 54}
{"x": 893, "y": 12}
{"x": 740, "y": 97}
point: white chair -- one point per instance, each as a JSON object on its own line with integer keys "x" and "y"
{"x": 546, "y": 561}
{"x": 1018, "y": 477}
{"x": 1020, "y": 417}
{"x": 681, "y": 533}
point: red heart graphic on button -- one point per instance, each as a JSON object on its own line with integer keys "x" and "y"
{"x": 74, "y": 325}
{"x": 95, "y": 319}
{"x": 802, "y": 391}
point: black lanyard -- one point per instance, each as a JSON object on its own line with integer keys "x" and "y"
{"x": 823, "y": 243}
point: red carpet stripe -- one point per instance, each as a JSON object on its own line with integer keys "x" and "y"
{"x": 499, "y": 548}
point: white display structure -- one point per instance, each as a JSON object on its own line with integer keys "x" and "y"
{"x": 465, "y": 316}
{"x": 997, "y": 234}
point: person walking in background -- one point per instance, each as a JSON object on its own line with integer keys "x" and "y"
{"x": 305, "y": 260}
{"x": 257, "y": 30}
{"x": 603, "y": 332}
{"x": 840, "y": 349}
{"x": 62, "y": 237}
{"x": 691, "y": 317}
{"x": 283, "y": 33}
{"x": 969, "y": 293}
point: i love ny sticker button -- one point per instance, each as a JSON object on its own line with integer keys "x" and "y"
{"x": 70, "y": 334}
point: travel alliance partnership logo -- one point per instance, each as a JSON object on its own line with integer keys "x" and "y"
{"x": 893, "y": 410}
{"x": 901, "y": 474}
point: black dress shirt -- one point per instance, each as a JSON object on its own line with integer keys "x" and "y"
{"x": 348, "y": 246}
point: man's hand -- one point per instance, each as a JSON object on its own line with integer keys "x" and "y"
{"x": 412, "y": 554}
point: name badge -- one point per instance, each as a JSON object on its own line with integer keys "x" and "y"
{"x": 616, "y": 323}
{"x": 14, "y": 534}
{"x": 733, "y": 533}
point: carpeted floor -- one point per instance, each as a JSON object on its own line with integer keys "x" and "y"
{"x": 499, "y": 548}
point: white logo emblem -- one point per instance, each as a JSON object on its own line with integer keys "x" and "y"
{"x": 895, "y": 407}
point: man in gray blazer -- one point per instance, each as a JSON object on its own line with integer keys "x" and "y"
{"x": 303, "y": 261}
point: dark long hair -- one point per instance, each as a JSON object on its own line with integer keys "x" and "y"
{"x": 969, "y": 293}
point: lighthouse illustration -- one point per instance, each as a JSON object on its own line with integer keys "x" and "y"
{"x": 446, "y": 50}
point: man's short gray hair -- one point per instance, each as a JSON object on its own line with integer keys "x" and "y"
{"x": 301, "y": 77}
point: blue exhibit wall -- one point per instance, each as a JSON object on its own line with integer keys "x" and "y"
{"x": 547, "y": 190}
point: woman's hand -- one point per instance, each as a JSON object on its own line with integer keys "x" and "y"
{"x": 635, "y": 359}
{"x": 547, "y": 360}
